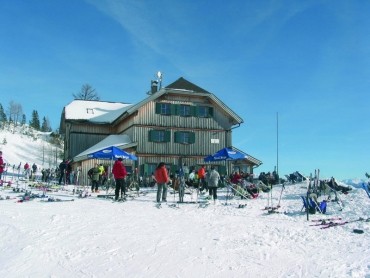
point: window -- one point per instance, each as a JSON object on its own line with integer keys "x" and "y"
{"x": 184, "y": 110}
{"x": 159, "y": 136}
{"x": 184, "y": 137}
{"x": 163, "y": 108}
{"x": 204, "y": 111}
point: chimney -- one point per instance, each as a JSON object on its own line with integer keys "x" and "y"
{"x": 154, "y": 86}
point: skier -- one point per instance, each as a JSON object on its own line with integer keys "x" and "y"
{"x": 105, "y": 175}
{"x": 62, "y": 169}
{"x": 213, "y": 180}
{"x": 26, "y": 170}
{"x": 33, "y": 171}
{"x": 2, "y": 164}
{"x": 95, "y": 178}
{"x": 162, "y": 178}
{"x": 68, "y": 171}
{"x": 192, "y": 178}
{"x": 34, "y": 168}
{"x": 101, "y": 173}
{"x": 119, "y": 173}
{"x": 202, "y": 178}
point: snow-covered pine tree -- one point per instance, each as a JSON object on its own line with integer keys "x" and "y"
{"x": 35, "y": 121}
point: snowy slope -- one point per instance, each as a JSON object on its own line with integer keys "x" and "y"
{"x": 27, "y": 145}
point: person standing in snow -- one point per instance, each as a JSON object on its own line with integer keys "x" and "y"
{"x": 213, "y": 180}
{"x": 162, "y": 178}
{"x": 191, "y": 179}
{"x": 34, "y": 170}
{"x": 26, "y": 168}
{"x": 68, "y": 171}
{"x": 94, "y": 178}
{"x": 119, "y": 173}
{"x": 101, "y": 173}
{"x": 202, "y": 178}
{"x": 186, "y": 170}
{"x": 2, "y": 164}
{"x": 62, "y": 169}
{"x": 105, "y": 175}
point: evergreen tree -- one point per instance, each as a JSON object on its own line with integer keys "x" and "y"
{"x": 35, "y": 122}
{"x": 23, "y": 122}
{"x": 2, "y": 114}
{"x": 45, "y": 127}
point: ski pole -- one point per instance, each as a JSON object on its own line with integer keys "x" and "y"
{"x": 281, "y": 193}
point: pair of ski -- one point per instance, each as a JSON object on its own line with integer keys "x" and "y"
{"x": 271, "y": 210}
{"x": 25, "y": 199}
{"x": 84, "y": 195}
{"x": 203, "y": 204}
{"x": 52, "y": 199}
{"x": 119, "y": 200}
{"x": 6, "y": 198}
{"x": 111, "y": 197}
{"x": 326, "y": 221}
{"x": 331, "y": 223}
{"x": 159, "y": 206}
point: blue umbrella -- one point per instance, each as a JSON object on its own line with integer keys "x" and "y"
{"x": 225, "y": 154}
{"x": 112, "y": 153}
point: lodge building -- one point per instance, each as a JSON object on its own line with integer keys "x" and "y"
{"x": 179, "y": 124}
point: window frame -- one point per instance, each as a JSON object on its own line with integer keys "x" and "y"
{"x": 184, "y": 110}
{"x": 184, "y": 137}
{"x": 159, "y": 136}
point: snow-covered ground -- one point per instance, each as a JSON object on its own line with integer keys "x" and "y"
{"x": 94, "y": 237}
{"x": 22, "y": 145}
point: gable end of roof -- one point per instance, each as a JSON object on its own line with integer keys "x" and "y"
{"x": 183, "y": 84}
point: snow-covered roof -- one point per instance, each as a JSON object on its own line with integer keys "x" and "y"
{"x": 111, "y": 140}
{"x": 95, "y": 111}
{"x": 107, "y": 112}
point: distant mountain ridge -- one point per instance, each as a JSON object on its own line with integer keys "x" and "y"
{"x": 355, "y": 182}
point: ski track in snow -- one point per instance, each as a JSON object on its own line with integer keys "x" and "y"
{"x": 100, "y": 238}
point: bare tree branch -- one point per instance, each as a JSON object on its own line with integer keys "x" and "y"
{"x": 87, "y": 93}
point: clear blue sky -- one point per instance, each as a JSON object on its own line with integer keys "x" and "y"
{"x": 308, "y": 61}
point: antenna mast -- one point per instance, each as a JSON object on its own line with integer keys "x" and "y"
{"x": 159, "y": 77}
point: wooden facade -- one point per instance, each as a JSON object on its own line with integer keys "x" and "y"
{"x": 179, "y": 122}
